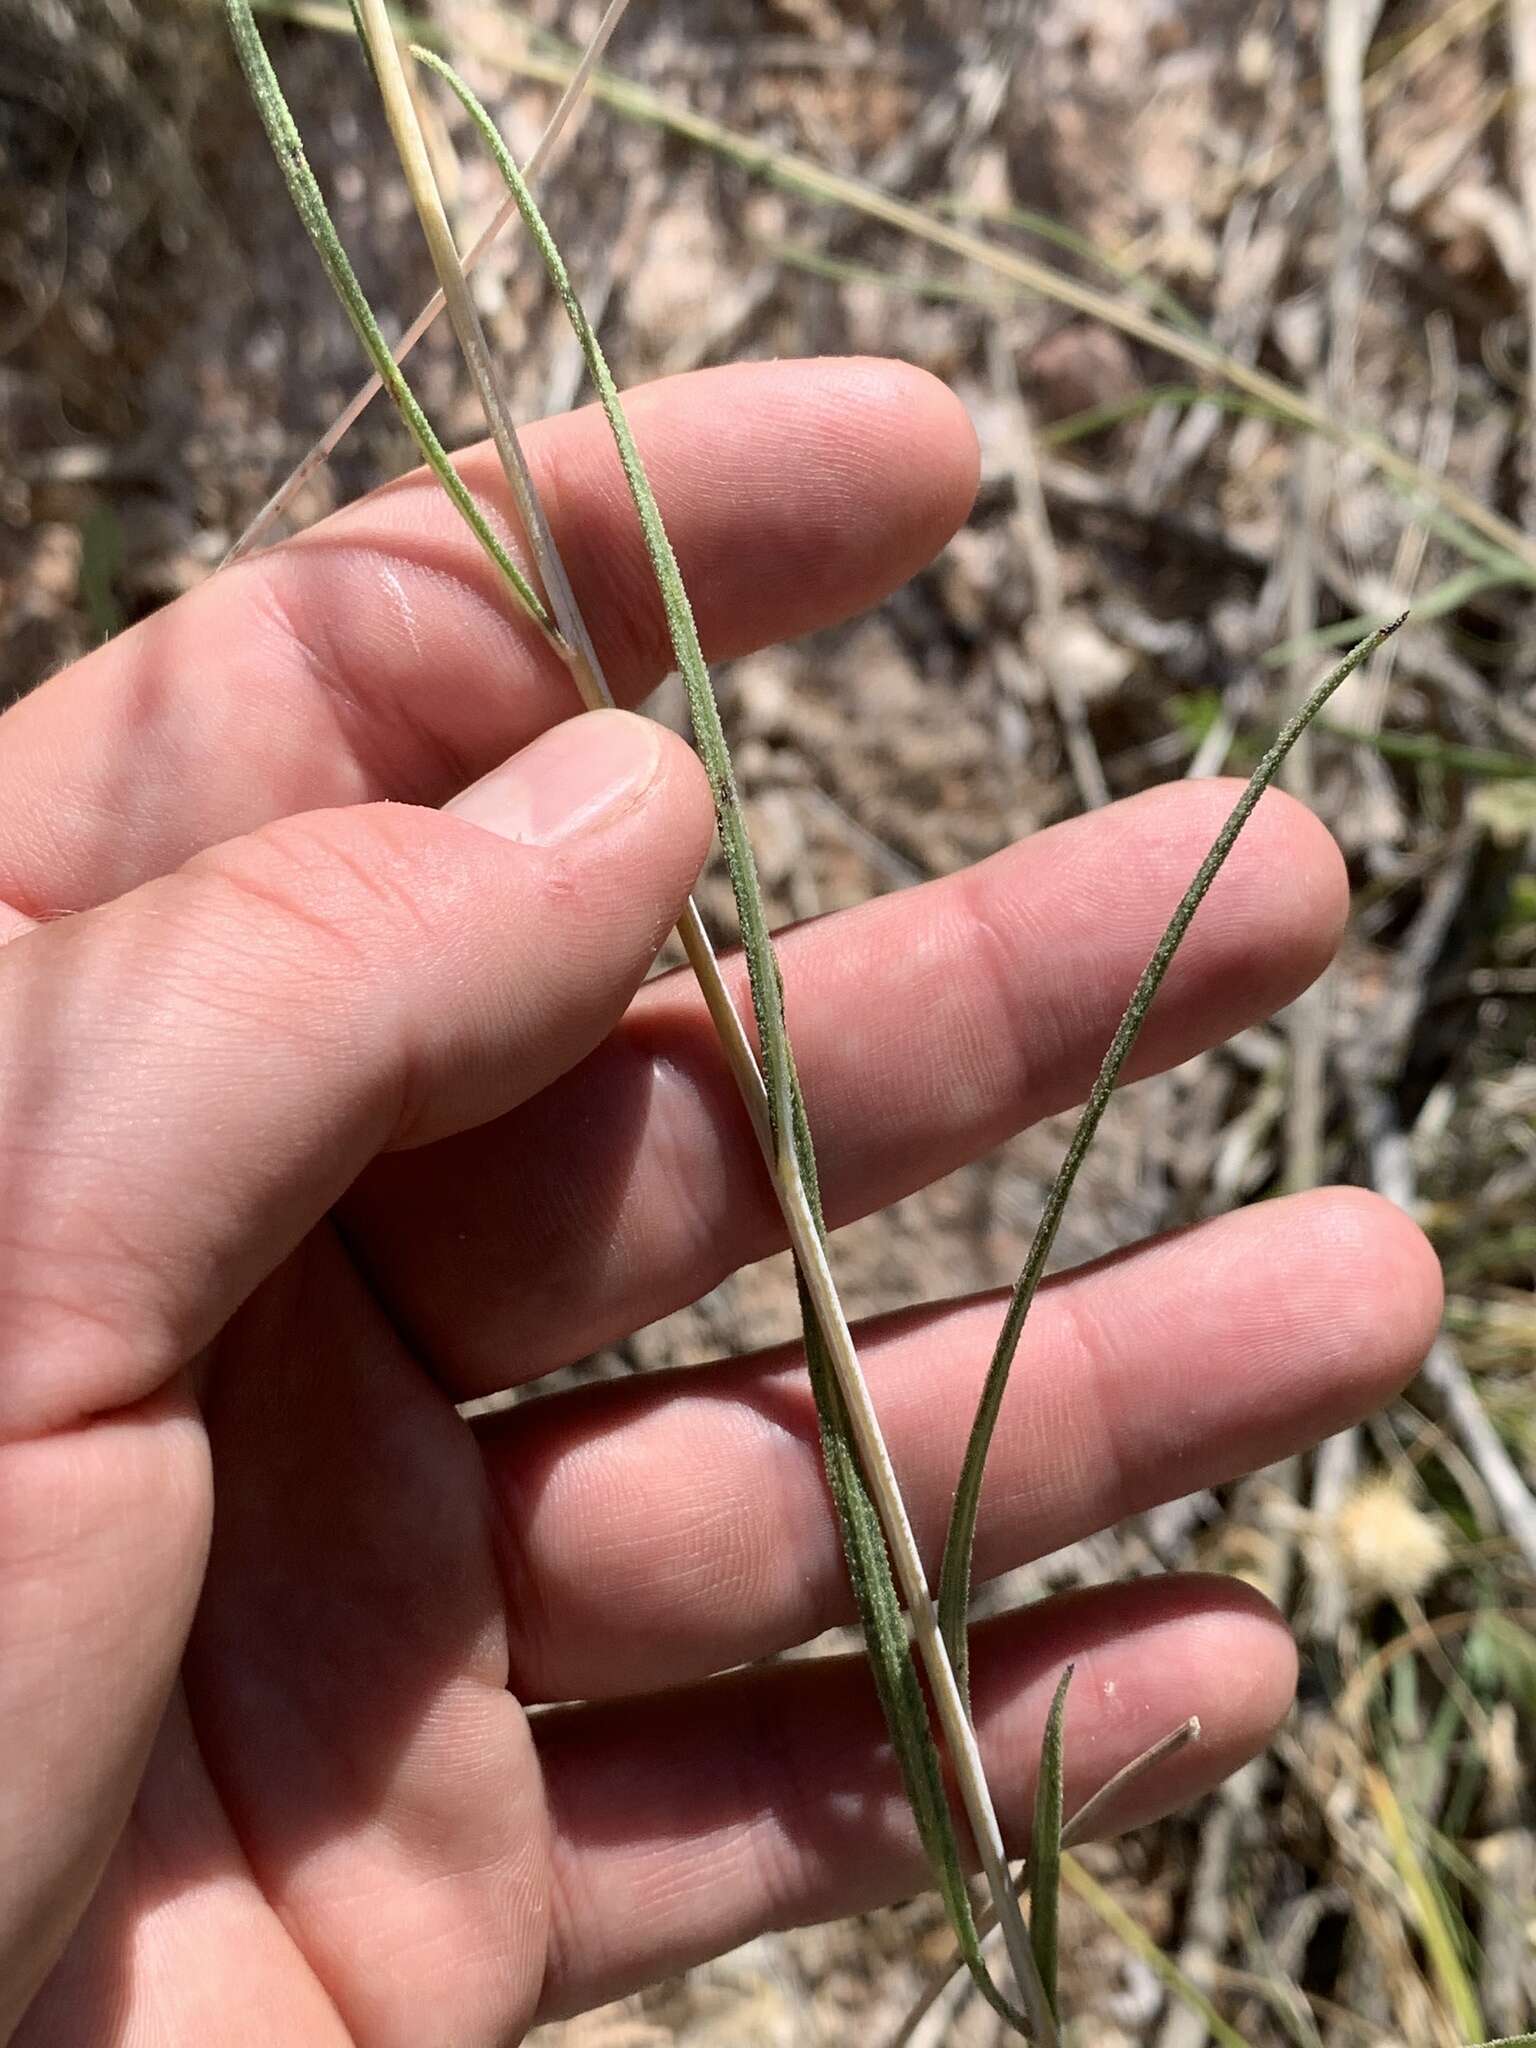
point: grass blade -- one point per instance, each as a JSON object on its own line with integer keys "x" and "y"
{"x": 1429, "y": 1909}
{"x": 860, "y": 1471}
{"x": 1428, "y": 750}
{"x": 575, "y": 85}
{"x": 1479, "y": 532}
{"x": 1473, "y": 525}
{"x": 309, "y": 203}
{"x": 955, "y": 1575}
{"x": 1045, "y": 1845}
{"x": 1447, "y": 596}
{"x": 1140, "y": 1943}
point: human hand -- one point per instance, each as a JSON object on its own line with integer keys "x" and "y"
{"x": 322, "y": 1112}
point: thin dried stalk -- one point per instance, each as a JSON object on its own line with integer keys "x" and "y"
{"x": 421, "y": 180}
{"x": 309, "y": 204}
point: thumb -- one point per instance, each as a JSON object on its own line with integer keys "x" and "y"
{"x": 189, "y": 1077}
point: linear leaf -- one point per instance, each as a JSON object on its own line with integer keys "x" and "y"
{"x": 1080, "y": 1828}
{"x": 1433, "y": 752}
{"x": 955, "y": 1575}
{"x": 1447, "y": 596}
{"x": 1045, "y": 1845}
{"x": 1429, "y": 1907}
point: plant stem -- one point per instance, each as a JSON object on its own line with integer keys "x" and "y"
{"x": 786, "y": 1138}
{"x": 576, "y": 644}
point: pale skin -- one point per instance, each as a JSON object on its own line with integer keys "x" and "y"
{"x": 321, "y": 1112}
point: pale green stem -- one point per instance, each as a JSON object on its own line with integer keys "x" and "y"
{"x": 421, "y": 180}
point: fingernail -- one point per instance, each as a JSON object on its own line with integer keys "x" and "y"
{"x": 568, "y": 781}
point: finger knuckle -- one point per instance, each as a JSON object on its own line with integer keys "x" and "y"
{"x": 331, "y": 892}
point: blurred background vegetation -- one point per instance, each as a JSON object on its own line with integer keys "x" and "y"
{"x": 1335, "y": 195}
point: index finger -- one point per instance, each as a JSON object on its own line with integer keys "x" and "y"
{"x": 375, "y": 656}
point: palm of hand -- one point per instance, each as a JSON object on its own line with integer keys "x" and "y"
{"x": 349, "y": 1829}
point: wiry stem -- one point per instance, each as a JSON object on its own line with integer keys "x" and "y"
{"x": 421, "y": 180}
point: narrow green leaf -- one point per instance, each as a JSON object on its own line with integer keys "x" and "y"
{"x": 1141, "y": 284}
{"x": 955, "y": 1575}
{"x": 1080, "y": 1828}
{"x": 1045, "y": 1845}
{"x": 101, "y": 558}
{"x": 844, "y": 270}
{"x": 309, "y": 203}
{"x": 1488, "y": 574}
{"x": 1434, "y": 752}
